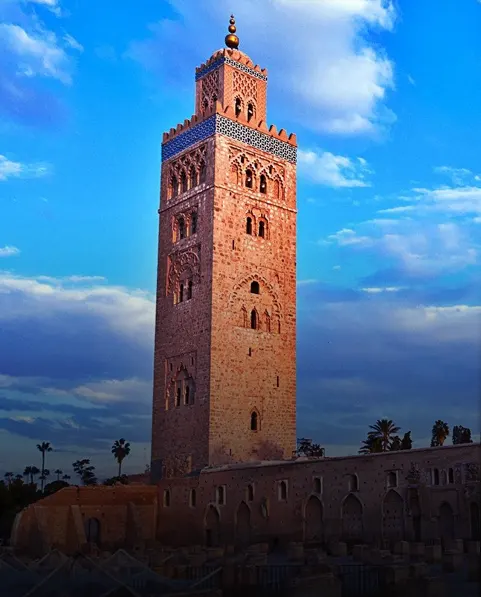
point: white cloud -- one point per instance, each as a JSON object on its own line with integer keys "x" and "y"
{"x": 457, "y": 175}
{"x": 331, "y": 75}
{"x": 10, "y": 169}
{"x": 35, "y": 54}
{"x": 377, "y": 290}
{"x": 333, "y": 170}
{"x": 418, "y": 247}
{"x": 8, "y": 251}
{"x": 52, "y": 5}
{"x": 73, "y": 43}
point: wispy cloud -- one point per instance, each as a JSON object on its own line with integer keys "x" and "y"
{"x": 13, "y": 169}
{"x": 52, "y": 5}
{"x": 333, "y": 170}
{"x": 9, "y": 251}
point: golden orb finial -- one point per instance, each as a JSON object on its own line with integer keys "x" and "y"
{"x": 231, "y": 40}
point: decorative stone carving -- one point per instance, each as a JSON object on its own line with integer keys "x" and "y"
{"x": 471, "y": 472}
{"x": 413, "y": 476}
{"x": 179, "y": 263}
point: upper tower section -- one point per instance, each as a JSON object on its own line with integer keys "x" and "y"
{"x": 231, "y": 78}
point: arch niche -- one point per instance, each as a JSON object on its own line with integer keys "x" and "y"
{"x": 393, "y": 517}
{"x": 415, "y": 508}
{"x": 243, "y": 525}
{"x": 212, "y": 527}
{"x": 313, "y": 521}
{"x": 475, "y": 521}
{"x": 92, "y": 531}
{"x": 446, "y": 523}
{"x": 351, "y": 514}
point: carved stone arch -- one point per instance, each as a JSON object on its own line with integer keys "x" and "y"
{"x": 254, "y": 419}
{"x": 243, "y": 524}
{"x": 278, "y": 188}
{"x": 245, "y": 283}
{"x": 267, "y": 321}
{"x": 251, "y": 104}
{"x": 212, "y": 525}
{"x": 250, "y": 172}
{"x": 352, "y": 514}
{"x": 252, "y": 227}
{"x": 313, "y": 518}
{"x": 235, "y": 172}
{"x": 393, "y": 516}
{"x": 178, "y": 264}
{"x": 238, "y": 104}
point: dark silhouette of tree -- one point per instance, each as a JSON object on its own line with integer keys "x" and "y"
{"x": 120, "y": 450}
{"x": 30, "y": 472}
{"x": 371, "y": 445}
{"x": 385, "y": 430}
{"x": 58, "y": 472}
{"x": 54, "y": 486}
{"x": 9, "y": 476}
{"x": 439, "y": 433}
{"x": 85, "y": 471}
{"x": 43, "y": 477}
{"x": 406, "y": 442}
{"x": 461, "y": 435}
{"x": 395, "y": 444}
{"x": 306, "y": 447}
{"x": 122, "y": 480}
{"x": 65, "y": 477}
{"x": 43, "y": 448}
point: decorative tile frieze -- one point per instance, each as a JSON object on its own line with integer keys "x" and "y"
{"x": 234, "y": 130}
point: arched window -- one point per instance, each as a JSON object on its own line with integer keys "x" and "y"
{"x": 250, "y": 112}
{"x": 282, "y": 491}
{"x": 254, "y": 421}
{"x": 436, "y": 476}
{"x": 183, "y": 182}
{"x": 262, "y": 229}
{"x": 250, "y": 493}
{"x": 174, "y": 186}
{"x": 192, "y": 177}
{"x": 263, "y": 184}
{"x": 189, "y": 290}
{"x": 253, "y": 319}
{"x": 193, "y": 498}
{"x": 255, "y": 289}
{"x": 392, "y": 479}
{"x": 181, "y": 293}
{"x": 238, "y": 106}
{"x": 181, "y": 228}
{"x": 193, "y": 222}
{"x": 249, "y": 226}
{"x": 220, "y": 495}
{"x": 450, "y": 476}
{"x": 177, "y": 397}
{"x": 353, "y": 483}
{"x": 249, "y": 179}
{"x": 202, "y": 172}
{"x": 167, "y": 498}
{"x": 317, "y": 485}
{"x": 186, "y": 395}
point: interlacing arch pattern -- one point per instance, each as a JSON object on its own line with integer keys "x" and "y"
{"x": 257, "y": 174}
{"x": 184, "y": 224}
{"x": 186, "y": 172}
{"x": 244, "y": 85}
{"x": 210, "y": 89}
{"x": 183, "y": 265}
{"x": 180, "y": 389}
{"x": 266, "y": 320}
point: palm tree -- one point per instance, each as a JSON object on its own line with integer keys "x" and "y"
{"x": 9, "y": 477}
{"x": 30, "y": 472}
{"x": 44, "y": 447}
{"x": 44, "y": 475}
{"x": 65, "y": 477}
{"x": 385, "y": 430}
{"x": 439, "y": 433}
{"x": 58, "y": 472}
{"x": 371, "y": 445}
{"x": 120, "y": 450}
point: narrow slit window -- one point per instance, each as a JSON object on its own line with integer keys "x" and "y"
{"x": 249, "y": 226}
{"x": 250, "y": 112}
{"x": 254, "y": 421}
{"x": 253, "y": 319}
{"x": 202, "y": 173}
{"x": 249, "y": 179}
{"x": 262, "y": 229}
{"x": 255, "y": 289}
{"x": 177, "y": 397}
{"x": 183, "y": 182}
{"x": 181, "y": 293}
{"x": 189, "y": 290}
{"x": 263, "y": 184}
{"x": 238, "y": 106}
{"x": 181, "y": 225}
{"x": 193, "y": 221}
{"x": 192, "y": 178}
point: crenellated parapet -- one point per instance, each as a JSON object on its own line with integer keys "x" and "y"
{"x": 217, "y": 119}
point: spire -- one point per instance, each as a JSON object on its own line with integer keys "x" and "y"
{"x": 231, "y": 40}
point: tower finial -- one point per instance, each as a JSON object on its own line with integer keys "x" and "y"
{"x": 231, "y": 40}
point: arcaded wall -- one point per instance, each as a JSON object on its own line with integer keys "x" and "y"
{"x": 419, "y": 495}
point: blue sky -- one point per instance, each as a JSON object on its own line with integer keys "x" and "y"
{"x": 384, "y": 98}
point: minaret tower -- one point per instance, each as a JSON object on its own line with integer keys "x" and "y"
{"x": 225, "y": 338}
